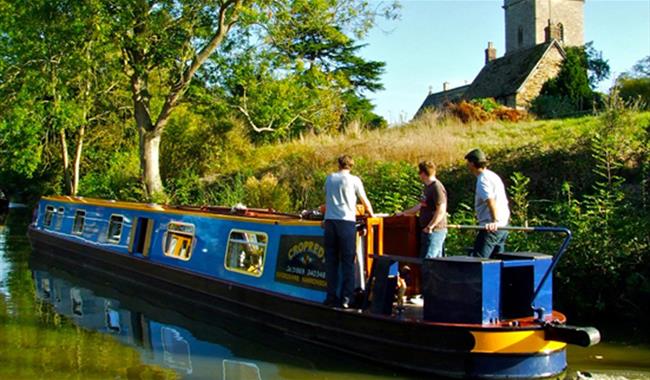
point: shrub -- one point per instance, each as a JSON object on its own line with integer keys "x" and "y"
{"x": 391, "y": 186}
{"x": 508, "y": 114}
{"x": 468, "y": 112}
{"x": 121, "y": 180}
{"x": 635, "y": 90}
{"x": 266, "y": 193}
{"x": 487, "y": 104}
{"x": 552, "y": 107}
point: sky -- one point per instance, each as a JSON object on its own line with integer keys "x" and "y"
{"x": 444, "y": 41}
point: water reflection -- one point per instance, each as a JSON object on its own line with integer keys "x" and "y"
{"x": 205, "y": 346}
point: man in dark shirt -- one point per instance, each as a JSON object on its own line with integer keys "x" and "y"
{"x": 433, "y": 212}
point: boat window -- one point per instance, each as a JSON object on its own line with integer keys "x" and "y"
{"x": 59, "y": 218}
{"x": 49, "y": 214}
{"x": 178, "y": 240}
{"x": 79, "y": 221}
{"x": 115, "y": 228}
{"x": 245, "y": 252}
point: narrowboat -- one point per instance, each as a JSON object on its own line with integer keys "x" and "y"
{"x": 481, "y": 318}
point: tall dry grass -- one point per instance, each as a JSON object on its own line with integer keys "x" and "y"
{"x": 432, "y": 136}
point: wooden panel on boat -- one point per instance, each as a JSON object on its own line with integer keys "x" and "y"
{"x": 401, "y": 238}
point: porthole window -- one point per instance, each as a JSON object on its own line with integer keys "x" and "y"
{"x": 246, "y": 252}
{"x": 115, "y": 225}
{"x": 179, "y": 240}
{"x": 79, "y": 222}
{"x": 49, "y": 214}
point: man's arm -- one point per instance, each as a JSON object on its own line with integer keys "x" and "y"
{"x": 366, "y": 204}
{"x": 492, "y": 206}
{"x": 412, "y": 211}
{"x": 438, "y": 215}
{"x": 361, "y": 193}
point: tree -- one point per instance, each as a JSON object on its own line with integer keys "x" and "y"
{"x": 634, "y": 85}
{"x": 54, "y": 68}
{"x": 174, "y": 39}
{"x": 582, "y": 69}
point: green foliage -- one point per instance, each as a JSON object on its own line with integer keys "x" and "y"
{"x": 552, "y": 107}
{"x": 308, "y": 78}
{"x": 581, "y": 71}
{"x": 488, "y": 104}
{"x": 391, "y": 186}
{"x": 636, "y": 90}
{"x": 120, "y": 179}
{"x": 266, "y": 192}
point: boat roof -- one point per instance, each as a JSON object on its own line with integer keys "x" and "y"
{"x": 249, "y": 214}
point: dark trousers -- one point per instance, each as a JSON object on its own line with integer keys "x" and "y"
{"x": 340, "y": 246}
{"x": 489, "y": 243}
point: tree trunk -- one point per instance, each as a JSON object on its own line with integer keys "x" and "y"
{"x": 66, "y": 163}
{"x": 77, "y": 160}
{"x": 150, "y": 153}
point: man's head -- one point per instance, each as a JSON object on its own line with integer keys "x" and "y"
{"x": 476, "y": 161}
{"x": 426, "y": 169}
{"x": 345, "y": 162}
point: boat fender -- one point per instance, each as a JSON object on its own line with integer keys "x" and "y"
{"x": 579, "y": 336}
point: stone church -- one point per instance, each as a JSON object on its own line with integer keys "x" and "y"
{"x": 536, "y": 33}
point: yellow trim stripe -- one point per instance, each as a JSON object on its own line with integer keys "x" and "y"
{"x": 514, "y": 342}
{"x": 164, "y": 210}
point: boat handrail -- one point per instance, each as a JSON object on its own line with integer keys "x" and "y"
{"x": 556, "y": 258}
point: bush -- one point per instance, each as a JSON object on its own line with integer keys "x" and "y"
{"x": 467, "y": 112}
{"x": 391, "y": 186}
{"x": 266, "y": 193}
{"x": 635, "y": 90}
{"x": 552, "y": 107}
{"x": 121, "y": 180}
{"x": 508, "y": 114}
{"x": 488, "y": 105}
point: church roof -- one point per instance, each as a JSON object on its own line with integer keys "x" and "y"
{"x": 505, "y": 76}
{"x": 439, "y": 98}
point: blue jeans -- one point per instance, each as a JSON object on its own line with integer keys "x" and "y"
{"x": 340, "y": 250}
{"x": 489, "y": 243}
{"x": 431, "y": 245}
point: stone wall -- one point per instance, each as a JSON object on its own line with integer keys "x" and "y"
{"x": 532, "y": 17}
{"x": 569, "y": 13}
{"x": 519, "y": 14}
{"x": 548, "y": 68}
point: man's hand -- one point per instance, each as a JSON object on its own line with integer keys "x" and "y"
{"x": 492, "y": 227}
{"x": 427, "y": 229}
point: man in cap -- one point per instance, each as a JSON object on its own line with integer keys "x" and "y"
{"x": 491, "y": 205}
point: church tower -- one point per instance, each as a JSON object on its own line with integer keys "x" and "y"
{"x": 532, "y": 22}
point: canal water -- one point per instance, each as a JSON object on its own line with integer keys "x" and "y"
{"x": 59, "y": 322}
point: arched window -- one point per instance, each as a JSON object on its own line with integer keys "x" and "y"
{"x": 520, "y": 36}
{"x": 560, "y": 28}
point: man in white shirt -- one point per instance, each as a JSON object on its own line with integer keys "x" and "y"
{"x": 491, "y": 205}
{"x": 341, "y": 192}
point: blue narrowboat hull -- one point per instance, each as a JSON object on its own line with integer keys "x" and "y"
{"x": 270, "y": 297}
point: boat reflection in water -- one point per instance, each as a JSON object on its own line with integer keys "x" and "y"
{"x": 195, "y": 349}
